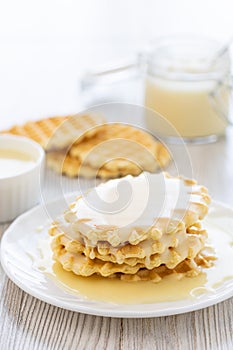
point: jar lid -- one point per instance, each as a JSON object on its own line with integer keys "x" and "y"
{"x": 187, "y": 58}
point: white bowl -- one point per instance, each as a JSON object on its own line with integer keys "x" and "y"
{"x": 21, "y": 191}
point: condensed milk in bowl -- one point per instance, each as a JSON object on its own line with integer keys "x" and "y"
{"x": 21, "y": 175}
{"x": 184, "y": 75}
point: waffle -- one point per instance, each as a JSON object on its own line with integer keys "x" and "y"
{"x": 115, "y": 150}
{"x": 58, "y": 132}
{"x": 62, "y": 163}
{"x": 116, "y": 144}
{"x": 39, "y": 131}
{"x": 186, "y": 215}
{"x": 83, "y": 266}
{"x": 72, "y": 167}
{"x": 168, "y": 250}
{"x": 187, "y": 268}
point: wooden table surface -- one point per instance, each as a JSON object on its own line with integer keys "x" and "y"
{"x": 28, "y": 323}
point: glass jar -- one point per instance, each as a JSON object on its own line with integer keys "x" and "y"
{"x": 185, "y": 80}
{"x": 183, "y": 77}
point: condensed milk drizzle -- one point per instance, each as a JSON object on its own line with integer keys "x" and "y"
{"x": 168, "y": 289}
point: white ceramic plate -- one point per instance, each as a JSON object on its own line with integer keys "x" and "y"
{"x": 20, "y": 243}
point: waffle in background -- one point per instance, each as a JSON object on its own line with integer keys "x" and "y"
{"x": 84, "y": 145}
{"x": 58, "y": 132}
{"x": 114, "y": 150}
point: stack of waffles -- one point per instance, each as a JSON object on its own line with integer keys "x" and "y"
{"x": 135, "y": 228}
{"x": 85, "y": 145}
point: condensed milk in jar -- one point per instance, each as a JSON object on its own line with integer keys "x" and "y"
{"x": 187, "y": 82}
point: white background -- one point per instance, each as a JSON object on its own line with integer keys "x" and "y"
{"x": 45, "y": 46}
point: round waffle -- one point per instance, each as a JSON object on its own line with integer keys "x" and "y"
{"x": 83, "y": 266}
{"x": 169, "y": 250}
{"x": 88, "y": 223}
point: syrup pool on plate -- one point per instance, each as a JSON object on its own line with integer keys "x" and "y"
{"x": 144, "y": 292}
{"x": 117, "y": 291}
